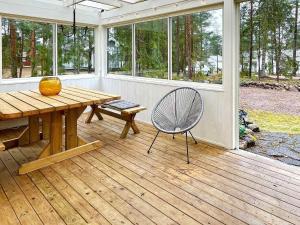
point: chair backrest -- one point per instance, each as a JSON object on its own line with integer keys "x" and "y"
{"x": 178, "y": 111}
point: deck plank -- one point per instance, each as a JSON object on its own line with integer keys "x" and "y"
{"x": 7, "y": 214}
{"x": 217, "y": 156}
{"x": 56, "y": 200}
{"x": 17, "y": 199}
{"x": 93, "y": 198}
{"x": 34, "y": 196}
{"x": 118, "y": 203}
{"x": 225, "y": 198}
{"x": 135, "y": 200}
{"x": 234, "y": 192}
{"x": 119, "y": 183}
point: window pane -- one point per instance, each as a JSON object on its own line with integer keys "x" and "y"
{"x": 26, "y": 49}
{"x": 152, "y": 49}
{"x": 75, "y": 56}
{"x": 119, "y": 50}
{"x": 197, "y": 47}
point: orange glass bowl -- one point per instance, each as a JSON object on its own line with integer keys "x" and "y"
{"x": 50, "y": 86}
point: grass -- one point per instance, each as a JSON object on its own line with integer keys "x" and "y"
{"x": 275, "y": 122}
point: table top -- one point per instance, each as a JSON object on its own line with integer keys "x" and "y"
{"x": 28, "y": 103}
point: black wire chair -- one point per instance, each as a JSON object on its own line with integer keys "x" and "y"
{"x": 177, "y": 113}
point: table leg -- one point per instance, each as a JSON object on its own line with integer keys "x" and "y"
{"x": 46, "y": 121}
{"x": 71, "y": 135}
{"x": 56, "y": 132}
{"x": 34, "y": 129}
{"x": 71, "y": 129}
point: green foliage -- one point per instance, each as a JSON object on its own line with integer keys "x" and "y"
{"x": 152, "y": 49}
{"x": 75, "y": 55}
{"x": 26, "y": 43}
{"x": 273, "y": 36}
{"x": 120, "y": 50}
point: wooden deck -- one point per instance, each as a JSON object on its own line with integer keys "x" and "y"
{"x": 121, "y": 184}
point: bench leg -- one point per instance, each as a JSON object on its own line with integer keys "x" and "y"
{"x": 130, "y": 123}
{"x": 92, "y": 113}
{"x": 89, "y": 118}
{"x": 125, "y": 130}
{"x": 134, "y": 127}
{"x": 98, "y": 114}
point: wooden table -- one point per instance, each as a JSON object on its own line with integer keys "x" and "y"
{"x": 71, "y": 103}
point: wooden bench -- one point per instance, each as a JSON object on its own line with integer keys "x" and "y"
{"x": 127, "y": 115}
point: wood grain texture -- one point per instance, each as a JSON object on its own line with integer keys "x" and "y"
{"x": 57, "y": 157}
{"x": 41, "y": 106}
{"x": 28, "y": 103}
{"x": 25, "y": 108}
{"x": 120, "y": 183}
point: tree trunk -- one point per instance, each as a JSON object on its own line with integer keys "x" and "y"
{"x": 188, "y": 44}
{"x": 13, "y": 48}
{"x": 259, "y": 53}
{"x": 177, "y": 45}
{"x": 217, "y": 63}
{"x": 21, "y": 55}
{"x": 33, "y": 53}
{"x": 242, "y": 62}
{"x": 263, "y": 61}
{"x": 251, "y": 39}
{"x": 278, "y": 54}
{"x": 295, "y": 64}
{"x": 90, "y": 52}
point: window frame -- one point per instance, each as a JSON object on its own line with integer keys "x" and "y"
{"x": 169, "y": 81}
{"x": 54, "y": 57}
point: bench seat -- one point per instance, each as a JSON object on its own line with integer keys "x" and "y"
{"x": 127, "y": 115}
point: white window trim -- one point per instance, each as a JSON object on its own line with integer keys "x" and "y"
{"x": 37, "y": 79}
{"x": 173, "y": 83}
{"x": 169, "y": 81}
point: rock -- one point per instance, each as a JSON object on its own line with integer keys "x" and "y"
{"x": 293, "y": 88}
{"x": 249, "y": 131}
{"x": 250, "y": 139}
{"x": 274, "y": 152}
{"x": 254, "y": 127}
{"x": 290, "y": 161}
{"x": 243, "y": 144}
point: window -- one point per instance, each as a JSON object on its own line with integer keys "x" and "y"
{"x": 27, "y": 49}
{"x": 75, "y": 55}
{"x": 119, "y": 50}
{"x": 152, "y": 49}
{"x": 197, "y": 47}
{"x": 196, "y": 54}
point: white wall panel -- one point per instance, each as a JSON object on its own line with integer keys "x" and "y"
{"x": 212, "y": 128}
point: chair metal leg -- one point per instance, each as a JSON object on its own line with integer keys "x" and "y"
{"x": 193, "y": 137}
{"x": 187, "y": 149}
{"x": 153, "y": 142}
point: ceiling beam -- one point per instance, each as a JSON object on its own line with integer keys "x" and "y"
{"x": 114, "y": 3}
{"x": 42, "y": 11}
{"x": 153, "y": 9}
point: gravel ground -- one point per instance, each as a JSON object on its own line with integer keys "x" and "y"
{"x": 285, "y": 102}
{"x": 280, "y": 146}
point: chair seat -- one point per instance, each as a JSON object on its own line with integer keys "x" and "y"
{"x": 178, "y": 112}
